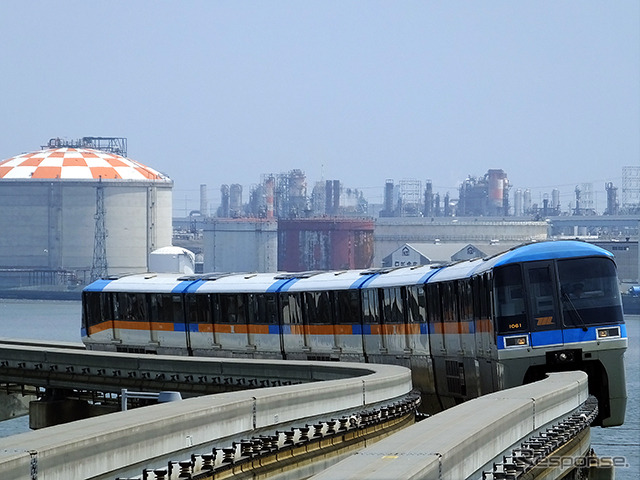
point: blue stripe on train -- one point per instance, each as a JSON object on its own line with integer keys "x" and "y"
{"x": 288, "y": 284}
{"x": 181, "y": 327}
{"x": 274, "y": 329}
{"x": 189, "y": 286}
{"x": 97, "y": 286}
{"x": 279, "y": 285}
{"x": 286, "y": 329}
{"x": 363, "y": 280}
{"x": 427, "y": 276}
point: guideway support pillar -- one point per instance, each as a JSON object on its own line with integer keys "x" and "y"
{"x": 56, "y": 407}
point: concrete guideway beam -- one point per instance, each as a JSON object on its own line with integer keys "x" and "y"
{"x": 52, "y": 367}
{"x": 460, "y": 441}
{"x": 98, "y": 445}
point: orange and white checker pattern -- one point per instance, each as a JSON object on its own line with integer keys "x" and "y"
{"x": 76, "y": 163}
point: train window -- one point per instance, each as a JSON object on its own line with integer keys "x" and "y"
{"x": 480, "y": 291}
{"x": 130, "y": 307}
{"x": 433, "y": 303}
{"x": 232, "y": 308}
{"x": 417, "y": 305}
{"x": 348, "y": 307}
{"x": 370, "y": 306}
{"x": 160, "y": 308}
{"x": 265, "y": 309}
{"x": 319, "y": 308}
{"x": 393, "y": 311}
{"x": 541, "y": 296}
{"x": 589, "y": 291}
{"x": 510, "y": 303}
{"x": 158, "y": 313}
{"x": 199, "y": 307}
{"x": 291, "y": 308}
{"x": 155, "y": 308}
{"x": 95, "y": 308}
{"x": 448, "y": 295}
{"x": 485, "y": 296}
{"x": 177, "y": 308}
{"x": 465, "y": 301}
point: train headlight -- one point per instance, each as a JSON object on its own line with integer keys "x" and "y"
{"x": 516, "y": 341}
{"x": 609, "y": 332}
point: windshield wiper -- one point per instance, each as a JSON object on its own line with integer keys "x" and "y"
{"x": 567, "y": 298}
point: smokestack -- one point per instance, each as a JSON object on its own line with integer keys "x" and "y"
{"x": 269, "y": 186}
{"x": 203, "y": 200}
{"x": 612, "y": 199}
{"x": 388, "y": 198}
{"x": 224, "y": 204}
{"x": 428, "y": 200}
{"x": 235, "y": 202}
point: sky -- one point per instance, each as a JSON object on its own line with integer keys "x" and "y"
{"x": 221, "y": 92}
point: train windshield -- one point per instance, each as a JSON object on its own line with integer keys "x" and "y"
{"x": 589, "y": 292}
{"x": 529, "y": 297}
{"x": 511, "y": 314}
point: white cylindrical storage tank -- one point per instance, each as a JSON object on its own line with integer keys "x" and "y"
{"x": 204, "y": 207}
{"x": 48, "y": 211}
{"x": 517, "y": 203}
{"x": 172, "y": 260}
{"x": 526, "y": 201}
{"x": 555, "y": 199}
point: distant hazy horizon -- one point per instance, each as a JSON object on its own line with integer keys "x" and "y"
{"x": 212, "y": 92}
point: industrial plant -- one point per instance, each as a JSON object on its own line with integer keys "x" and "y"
{"x": 79, "y": 210}
{"x": 285, "y": 195}
{"x": 336, "y": 227}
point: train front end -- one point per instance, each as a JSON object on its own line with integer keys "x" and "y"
{"x": 560, "y": 310}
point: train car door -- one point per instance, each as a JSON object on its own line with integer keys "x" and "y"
{"x": 417, "y": 335}
{"x": 484, "y": 332}
{"x": 371, "y": 329}
{"x": 434, "y": 318}
{"x": 166, "y": 316}
{"x": 542, "y": 304}
{"x": 319, "y": 320}
{"x": 131, "y": 319}
{"x": 348, "y": 325}
{"x": 230, "y": 326}
{"x": 293, "y": 333}
{"x": 466, "y": 324}
{"x": 451, "y": 318}
{"x": 264, "y": 331}
{"x": 198, "y": 323}
{"x": 394, "y": 321}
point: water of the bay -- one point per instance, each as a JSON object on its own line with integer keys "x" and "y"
{"x": 60, "y": 321}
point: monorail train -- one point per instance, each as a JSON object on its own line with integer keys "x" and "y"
{"x": 463, "y": 329}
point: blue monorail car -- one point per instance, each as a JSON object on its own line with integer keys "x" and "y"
{"x": 464, "y": 329}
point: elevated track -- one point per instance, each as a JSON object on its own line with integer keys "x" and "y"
{"x": 327, "y": 413}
